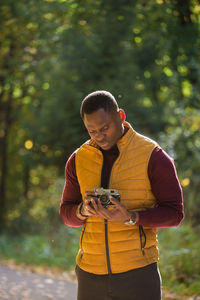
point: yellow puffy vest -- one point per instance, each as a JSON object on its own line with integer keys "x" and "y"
{"x": 107, "y": 246}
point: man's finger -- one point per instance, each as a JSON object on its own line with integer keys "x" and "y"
{"x": 90, "y": 193}
{"x": 114, "y": 201}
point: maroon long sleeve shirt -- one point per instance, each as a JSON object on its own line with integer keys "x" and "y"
{"x": 164, "y": 183}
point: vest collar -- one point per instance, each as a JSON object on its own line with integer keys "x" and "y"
{"x": 126, "y": 137}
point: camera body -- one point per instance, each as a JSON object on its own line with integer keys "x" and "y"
{"x": 103, "y": 195}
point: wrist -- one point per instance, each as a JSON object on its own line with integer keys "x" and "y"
{"x": 133, "y": 218}
{"x": 79, "y": 213}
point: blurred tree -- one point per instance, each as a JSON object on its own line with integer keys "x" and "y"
{"x": 27, "y": 34}
{"x": 145, "y": 52}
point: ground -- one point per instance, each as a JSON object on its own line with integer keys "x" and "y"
{"x": 24, "y": 284}
{"x": 42, "y": 283}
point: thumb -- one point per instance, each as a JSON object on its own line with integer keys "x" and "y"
{"x": 114, "y": 201}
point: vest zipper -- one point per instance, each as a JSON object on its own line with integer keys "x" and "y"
{"x": 142, "y": 233}
{"x": 106, "y": 221}
{"x": 81, "y": 240}
{"x": 107, "y": 247}
{"x": 106, "y": 233}
{"x": 106, "y": 230}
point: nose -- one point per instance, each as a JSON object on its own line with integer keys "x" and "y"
{"x": 100, "y": 136}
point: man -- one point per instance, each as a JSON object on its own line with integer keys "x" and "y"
{"x": 118, "y": 252}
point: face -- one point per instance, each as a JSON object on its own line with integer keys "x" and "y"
{"x": 105, "y": 128}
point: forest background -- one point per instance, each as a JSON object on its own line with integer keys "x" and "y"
{"x": 53, "y": 53}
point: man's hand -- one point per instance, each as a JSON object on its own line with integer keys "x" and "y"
{"x": 89, "y": 201}
{"x": 92, "y": 207}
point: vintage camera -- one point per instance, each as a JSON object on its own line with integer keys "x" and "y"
{"x": 103, "y": 195}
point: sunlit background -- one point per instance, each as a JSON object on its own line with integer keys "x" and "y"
{"x": 55, "y": 52}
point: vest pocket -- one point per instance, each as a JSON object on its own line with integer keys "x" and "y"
{"x": 143, "y": 239}
{"x": 81, "y": 240}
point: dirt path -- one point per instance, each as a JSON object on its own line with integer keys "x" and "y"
{"x": 27, "y": 283}
{"x": 16, "y": 284}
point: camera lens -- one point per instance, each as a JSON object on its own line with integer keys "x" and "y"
{"x": 104, "y": 200}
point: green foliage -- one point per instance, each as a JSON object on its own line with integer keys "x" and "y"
{"x": 56, "y": 52}
{"x": 35, "y": 234}
{"x": 39, "y": 214}
{"x": 145, "y": 53}
{"x": 179, "y": 259}
{"x": 59, "y": 251}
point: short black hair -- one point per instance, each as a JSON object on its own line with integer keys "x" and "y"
{"x": 97, "y": 100}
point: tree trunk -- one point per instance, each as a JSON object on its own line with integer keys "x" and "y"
{"x": 4, "y": 158}
{"x": 3, "y": 180}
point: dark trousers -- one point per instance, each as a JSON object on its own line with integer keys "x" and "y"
{"x": 139, "y": 284}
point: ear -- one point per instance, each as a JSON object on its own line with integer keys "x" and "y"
{"x": 122, "y": 115}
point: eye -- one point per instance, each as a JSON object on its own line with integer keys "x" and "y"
{"x": 104, "y": 128}
{"x": 91, "y": 131}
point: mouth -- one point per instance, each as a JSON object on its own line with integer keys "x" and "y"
{"x": 103, "y": 144}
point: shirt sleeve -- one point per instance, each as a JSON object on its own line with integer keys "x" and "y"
{"x": 166, "y": 188}
{"x": 71, "y": 195}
